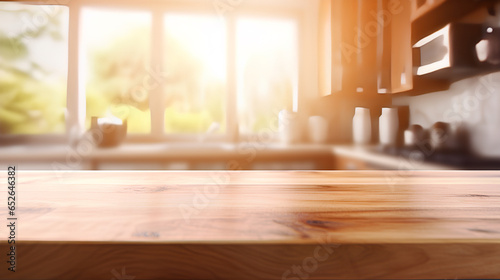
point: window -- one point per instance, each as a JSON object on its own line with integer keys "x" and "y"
{"x": 33, "y": 69}
{"x": 163, "y": 68}
{"x": 195, "y": 62}
{"x": 267, "y": 63}
{"x": 116, "y": 46}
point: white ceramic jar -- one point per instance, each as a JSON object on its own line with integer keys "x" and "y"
{"x": 318, "y": 129}
{"x": 289, "y": 127}
{"x": 388, "y": 126}
{"x": 361, "y": 126}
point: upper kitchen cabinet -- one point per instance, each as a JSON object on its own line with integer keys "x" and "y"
{"x": 379, "y": 46}
{"x": 430, "y": 15}
{"x": 370, "y": 43}
{"x": 421, "y": 7}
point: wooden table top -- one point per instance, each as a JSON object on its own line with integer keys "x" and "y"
{"x": 217, "y": 207}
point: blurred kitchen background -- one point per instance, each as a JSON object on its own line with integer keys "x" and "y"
{"x": 250, "y": 84}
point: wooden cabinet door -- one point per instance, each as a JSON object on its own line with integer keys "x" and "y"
{"x": 395, "y": 65}
{"x": 355, "y": 41}
{"x": 346, "y": 163}
{"x": 371, "y": 46}
{"x": 326, "y": 79}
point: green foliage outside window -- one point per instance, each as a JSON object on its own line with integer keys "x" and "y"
{"x": 32, "y": 93}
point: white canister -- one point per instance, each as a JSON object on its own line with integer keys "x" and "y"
{"x": 388, "y": 126}
{"x": 409, "y": 138}
{"x": 289, "y": 127}
{"x": 361, "y": 126}
{"x": 318, "y": 129}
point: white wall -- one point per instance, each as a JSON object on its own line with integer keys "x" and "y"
{"x": 474, "y": 101}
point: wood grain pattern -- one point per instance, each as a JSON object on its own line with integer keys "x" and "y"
{"x": 256, "y": 225}
{"x": 189, "y": 261}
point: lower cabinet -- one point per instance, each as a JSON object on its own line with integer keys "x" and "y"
{"x": 346, "y": 163}
{"x": 351, "y": 163}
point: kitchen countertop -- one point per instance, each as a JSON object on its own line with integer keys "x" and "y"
{"x": 154, "y": 150}
{"x": 256, "y": 225}
{"x": 188, "y": 151}
{"x": 371, "y": 155}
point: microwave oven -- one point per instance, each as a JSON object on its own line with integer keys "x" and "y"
{"x": 456, "y": 51}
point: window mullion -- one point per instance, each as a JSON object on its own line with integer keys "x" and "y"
{"x": 232, "y": 104}
{"x": 156, "y": 92}
{"x": 76, "y": 107}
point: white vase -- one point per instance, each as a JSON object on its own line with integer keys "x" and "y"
{"x": 318, "y": 129}
{"x": 388, "y": 126}
{"x": 361, "y": 126}
{"x": 289, "y": 128}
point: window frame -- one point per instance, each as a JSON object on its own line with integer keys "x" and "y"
{"x": 76, "y": 110}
